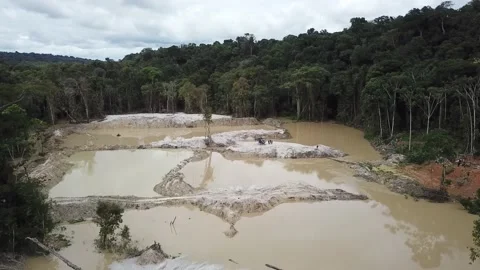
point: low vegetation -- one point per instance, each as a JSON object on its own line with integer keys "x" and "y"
{"x": 472, "y": 205}
{"x": 436, "y": 145}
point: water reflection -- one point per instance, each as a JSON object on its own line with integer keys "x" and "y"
{"x": 219, "y": 172}
{"x": 341, "y": 137}
{"x": 121, "y": 172}
{"x": 435, "y": 233}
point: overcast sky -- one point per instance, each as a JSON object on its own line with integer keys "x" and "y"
{"x": 113, "y": 28}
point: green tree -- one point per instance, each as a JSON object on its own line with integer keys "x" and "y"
{"x": 109, "y": 218}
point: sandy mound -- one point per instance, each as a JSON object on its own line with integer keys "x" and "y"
{"x": 163, "y": 120}
{"x": 231, "y": 204}
{"x": 221, "y": 139}
{"x": 152, "y": 255}
{"x": 52, "y": 170}
{"x": 230, "y": 233}
{"x": 284, "y": 150}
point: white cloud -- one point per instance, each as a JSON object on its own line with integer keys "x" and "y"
{"x": 113, "y": 28}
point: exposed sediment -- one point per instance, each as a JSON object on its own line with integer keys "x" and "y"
{"x": 231, "y": 204}
{"x": 173, "y": 184}
{"x": 167, "y": 120}
{"x": 53, "y": 169}
{"x": 398, "y": 183}
{"x": 223, "y": 139}
{"x": 228, "y": 204}
{"x": 284, "y": 150}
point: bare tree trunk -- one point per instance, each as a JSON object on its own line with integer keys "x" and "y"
{"x": 51, "y": 110}
{"x": 255, "y": 106}
{"x": 380, "y": 121}
{"x": 443, "y": 27}
{"x": 298, "y": 102}
{"x": 471, "y": 127}
{"x": 388, "y": 120}
{"x": 393, "y": 113}
{"x": 54, "y": 253}
{"x": 151, "y": 101}
{"x": 85, "y": 103}
{"x": 428, "y": 124}
{"x": 410, "y": 133}
{"x": 440, "y": 117}
{"x": 474, "y": 108}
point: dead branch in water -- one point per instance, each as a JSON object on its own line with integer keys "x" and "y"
{"x": 273, "y": 267}
{"x": 233, "y": 261}
{"x": 54, "y": 253}
{"x": 173, "y": 222}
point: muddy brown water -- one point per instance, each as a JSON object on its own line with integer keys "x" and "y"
{"x": 121, "y": 172}
{"x": 386, "y": 232}
{"x": 138, "y": 136}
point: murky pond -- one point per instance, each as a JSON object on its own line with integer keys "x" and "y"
{"x": 121, "y": 172}
{"x": 219, "y": 172}
{"x": 346, "y": 139}
{"x": 399, "y": 235}
{"x": 386, "y": 232}
{"x": 139, "y": 136}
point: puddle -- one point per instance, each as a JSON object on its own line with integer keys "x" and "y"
{"x": 219, "y": 172}
{"x": 121, "y": 172}
{"x": 139, "y": 136}
{"x": 346, "y": 139}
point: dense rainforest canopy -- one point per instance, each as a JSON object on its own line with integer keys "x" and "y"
{"x": 15, "y": 58}
{"x": 417, "y": 72}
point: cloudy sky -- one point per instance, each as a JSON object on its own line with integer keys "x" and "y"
{"x": 113, "y": 28}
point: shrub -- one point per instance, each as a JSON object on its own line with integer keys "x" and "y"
{"x": 472, "y": 205}
{"x": 109, "y": 217}
{"x": 437, "y": 144}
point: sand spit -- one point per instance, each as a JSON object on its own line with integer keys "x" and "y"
{"x": 173, "y": 184}
{"x": 231, "y": 204}
{"x": 165, "y": 120}
{"x": 227, "y": 204}
{"x": 221, "y": 139}
{"x": 284, "y": 150}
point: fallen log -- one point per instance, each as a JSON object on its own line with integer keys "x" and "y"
{"x": 54, "y": 253}
{"x": 271, "y": 266}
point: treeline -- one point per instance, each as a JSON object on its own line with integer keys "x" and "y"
{"x": 414, "y": 72}
{"x": 14, "y": 58}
